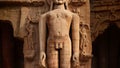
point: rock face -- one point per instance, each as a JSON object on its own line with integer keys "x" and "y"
{"x": 55, "y": 34}
{"x": 103, "y": 13}
{"x": 105, "y": 22}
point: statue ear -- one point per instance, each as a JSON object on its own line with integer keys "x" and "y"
{"x": 51, "y": 5}
{"x": 66, "y": 5}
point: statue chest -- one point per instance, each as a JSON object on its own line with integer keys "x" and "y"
{"x": 59, "y": 20}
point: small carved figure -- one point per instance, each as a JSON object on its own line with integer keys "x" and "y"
{"x": 84, "y": 41}
{"x": 59, "y": 36}
{"x": 29, "y": 50}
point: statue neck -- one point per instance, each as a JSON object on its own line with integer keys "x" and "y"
{"x": 61, "y": 6}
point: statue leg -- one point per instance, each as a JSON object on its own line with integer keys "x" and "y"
{"x": 65, "y": 55}
{"x": 52, "y": 56}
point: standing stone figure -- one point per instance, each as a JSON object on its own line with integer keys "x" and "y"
{"x": 59, "y": 36}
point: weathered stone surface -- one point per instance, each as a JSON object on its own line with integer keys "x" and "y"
{"x": 21, "y": 1}
{"x": 102, "y": 14}
{"x": 12, "y": 14}
{"x": 25, "y": 15}
{"x": 105, "y": 27}
{"x": 54, "y": 27}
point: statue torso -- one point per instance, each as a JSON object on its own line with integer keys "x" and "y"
{"x": 58, "y": 22}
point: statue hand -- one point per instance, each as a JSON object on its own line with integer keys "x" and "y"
{"x": 75, "y": 60}
{"x": 42, "y": 60}
{"x": 75, "y": 57}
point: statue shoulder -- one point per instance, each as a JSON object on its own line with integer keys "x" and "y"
{"x": 75, "y": 18}
{"x": 69, "y": 12}
{"x": 75, "y": 15}
{"x": 43, "y": 15}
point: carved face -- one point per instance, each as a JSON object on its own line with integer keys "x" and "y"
{"x": 56, "y": 1}
{"x": 59, "y": 1}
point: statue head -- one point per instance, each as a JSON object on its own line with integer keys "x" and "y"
{"x": 58, "y": 2}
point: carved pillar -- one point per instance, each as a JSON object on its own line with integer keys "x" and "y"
{"x": 29, "y": 32}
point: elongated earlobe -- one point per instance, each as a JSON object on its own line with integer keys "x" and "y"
{"x": 66, "y": 5}
{"x": 51, "y": 6}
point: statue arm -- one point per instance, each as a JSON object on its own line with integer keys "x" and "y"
{"x": 42, "y": 40}
{"x": 42, "y": 33}
{"x": 75, "y": 35}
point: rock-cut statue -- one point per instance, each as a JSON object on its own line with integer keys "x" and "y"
{"x": 59, "y": 36}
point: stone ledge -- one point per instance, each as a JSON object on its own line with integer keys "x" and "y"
{"x": 20, "y": 0}
{"x": 21, "y": 3}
